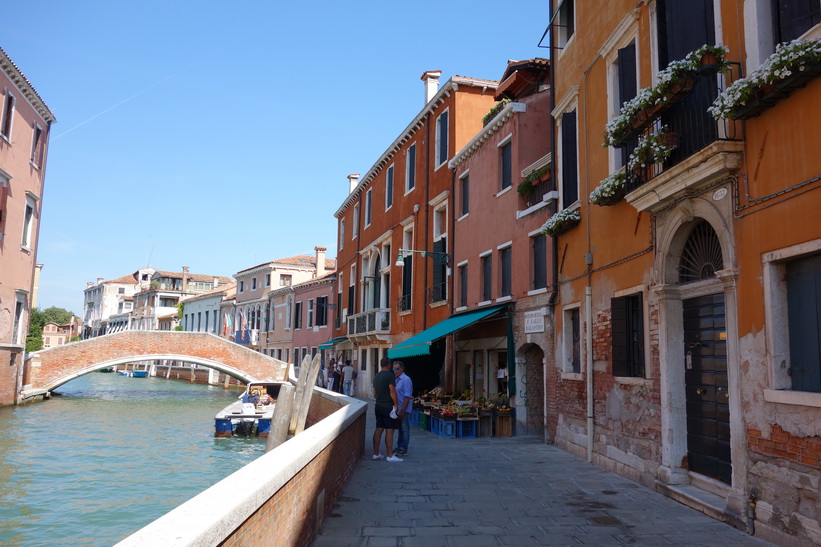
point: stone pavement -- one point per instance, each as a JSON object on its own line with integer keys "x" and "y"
{"x": 505, "y": 491}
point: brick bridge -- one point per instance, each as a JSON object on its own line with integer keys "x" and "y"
{"x": 50, "y": 368}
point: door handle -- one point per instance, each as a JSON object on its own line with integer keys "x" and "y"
{"x": 699, "y": 391}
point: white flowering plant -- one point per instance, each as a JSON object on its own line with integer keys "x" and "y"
{"x": 609, "y": 187}
{"x": 560, "y": 222}
{"x": 653, "y": 148}
{"x": 796, "y": 56}
{"x": 660, "y": 94}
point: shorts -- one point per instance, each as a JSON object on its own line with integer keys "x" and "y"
{"x": 383, "y": 417}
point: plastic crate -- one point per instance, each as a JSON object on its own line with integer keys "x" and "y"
{"x": 466, "y": 429}
{"x": 424, "y": 420}
{"x": 447, "y": 429}
{"x": 434, "y": 425}
{"x": 415, "y": 417}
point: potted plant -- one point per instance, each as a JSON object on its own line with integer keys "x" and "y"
{"x": 495, "y": 109}
{"x": 526, "y": 186}
{"x": 653, "y": 148}
{"x": 563, "y": 221}
{"x": 791, "y": 66}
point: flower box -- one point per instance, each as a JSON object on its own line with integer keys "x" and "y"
{"x": 562, "y": 222}
{"x": 769, "y": 95}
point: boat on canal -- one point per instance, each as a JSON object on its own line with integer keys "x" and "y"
{"x": 251, "y": 415}
{"x": 134, "y": 373}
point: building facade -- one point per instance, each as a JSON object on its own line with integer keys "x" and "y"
{"x": 681, "y": 361}
{"x": 113, "y": 297}
{"x": 400, "y": 207}
{"x": 25, "y": 126}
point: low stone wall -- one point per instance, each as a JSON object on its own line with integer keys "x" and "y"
{"x": 282, "y": 497}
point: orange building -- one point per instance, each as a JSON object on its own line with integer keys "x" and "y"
{"x": 687, "y": 252}
{"x": 25, "y": 124}
{"x": 401, "y": 206}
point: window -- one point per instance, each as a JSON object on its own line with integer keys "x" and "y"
{"x": 539, "y": 244}
{"x": 19, "y": 309}
{"x": 506, "y": 165}
{"x": 389, "y": 188}
{"x": 803, "y": 301}
{"x": 566, "y": 22}
{"x": 407, "y": 272}
{"x": 199, "y": 321}
{"x": 440, "y": 271}
{"x": 352, "y": 291}
{"x": 440, "y": 219}
{"x": 410, "y": 169}
{"x": 28, "y": 222}
{"x": 341, "y": 233}
{"x": 206, "y": 321}
{"x": 442, "y": 138}
{"x": 463, "y": 285}
{"x": 792, "y": 18}
{"x": 338, "y": 315}
{"x": 38, "y": 146}
{"x": 572, "y": 341}
{"x": 8, "y": 116}
{"x": 355, "y": 229}
{"x": 241, "y": 286}
{"x": 627, "y": 333}
{"x": 487, "y": 278}
{"x": 504, "y": 259}
{"x": 121, "y": 290}
{"x": 465, "y": 184}
{"x": 296, "y": 356}
{"x": 322, "y": 311}
{"x": 298, "y": 315}
{"x": 268, "y": 280}
{"x": 368, "y": 196}
{"x": 625, "y": 88}
{"x": 310, "y": 313}
{"x": 253, "y": 283}
{"x": 569, "y": 165}
{"x": 285, "y": 280}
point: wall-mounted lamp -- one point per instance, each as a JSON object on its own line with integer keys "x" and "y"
{"x": 440, "y": 258}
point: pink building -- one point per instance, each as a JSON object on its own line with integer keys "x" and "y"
{"x": 25, "y": 123}
{"x": 313, "y": 317}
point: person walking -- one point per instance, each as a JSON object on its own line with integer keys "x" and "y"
{"x": 404, "y": 399}
{"x": 384, "y": 391}
{"x": 347, "y": 378}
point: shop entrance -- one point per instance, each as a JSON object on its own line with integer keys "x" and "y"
{"x": 707, "y": 396}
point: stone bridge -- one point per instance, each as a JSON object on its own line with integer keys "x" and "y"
{"x": 50, "y": 368}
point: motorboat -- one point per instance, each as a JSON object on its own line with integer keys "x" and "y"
{"x": 251, "y": 415}
{"x": 134, "y": 373}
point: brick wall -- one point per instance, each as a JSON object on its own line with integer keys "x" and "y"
{"x": 781, "y": 444}
{"x": 8, "y": 377}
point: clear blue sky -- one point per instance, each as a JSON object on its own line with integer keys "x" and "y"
{"x": 218, "y": 135}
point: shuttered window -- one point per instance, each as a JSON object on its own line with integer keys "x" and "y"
{"x": 804, "y": 318}
{"x": 792, "y": 18}
{"x": 539, "y": 244}
{"x": 506, "y": 270}
{"x": 507, "y": 168}
{"x": 626, "y": 59}
{"x": 570, "y": 178}
{"x": 627, "y": 333}
{"x": 487, "y": 278}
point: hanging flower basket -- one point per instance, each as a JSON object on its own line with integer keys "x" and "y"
{"x": 562, "y": 222}
{"x": 791, "y": 67}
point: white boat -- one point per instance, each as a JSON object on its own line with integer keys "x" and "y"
{"x": 251, "y": 415}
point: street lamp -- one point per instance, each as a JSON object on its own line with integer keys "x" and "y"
{"x": 441, "y": 258}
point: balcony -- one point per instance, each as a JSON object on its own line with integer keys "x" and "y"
{"x": 370, "y": 325}
{"x": 702, "y": 150}
{"x": 437, "y": 293}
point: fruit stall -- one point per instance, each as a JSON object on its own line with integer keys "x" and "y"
{"x": 462, "y": 416}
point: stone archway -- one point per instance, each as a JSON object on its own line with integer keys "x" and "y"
{"x": 530, "y": 363}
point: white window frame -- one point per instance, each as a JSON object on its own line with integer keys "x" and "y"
{"x": 568, "y": 103}
{"x": 368, "y": 207}
{"x": 29, "y": 221}
{"x": 7, "y": 114}
{"x": 408, "y": 188}
{"x": 562, "y": 40}
{"x": 776, "y": 325}
{"x": 341, "y": 233}
{"x": 567, "y": 343}
{"x": 441, "y": 161}
{"x": 390, "y": 186}
{"x": 355, "y": 230}
{"x": 38, "y": 146}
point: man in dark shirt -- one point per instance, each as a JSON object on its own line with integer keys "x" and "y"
{"x": 384, "y": 391}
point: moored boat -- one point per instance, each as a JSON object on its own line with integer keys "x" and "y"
{"x": 134, "y": 373}
{"x": 251, "y": 415}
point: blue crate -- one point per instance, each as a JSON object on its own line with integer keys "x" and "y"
{"x": 414, "y": 417}
{"x": 466, "y": 429}
{"x": 447, "y": 429}
{"x": 434, "y": 424}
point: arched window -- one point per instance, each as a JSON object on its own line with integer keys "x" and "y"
{"x": 701, "y": 257}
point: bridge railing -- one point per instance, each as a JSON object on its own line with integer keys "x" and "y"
{"x": 285, "y": 494}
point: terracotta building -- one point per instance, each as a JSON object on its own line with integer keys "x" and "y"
{"x": 687, "y": 252}
{"x": 401, "y": 208}
{"x": 25, "y": 125}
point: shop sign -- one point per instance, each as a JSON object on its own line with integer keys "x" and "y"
{"x": 534, "y": 321}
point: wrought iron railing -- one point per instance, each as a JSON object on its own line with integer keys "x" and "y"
{"x": 403, "y": 303}
{"x": 437, "y": 293}
{"x": 370, "y": 322}
{"x": 535, "y": 195}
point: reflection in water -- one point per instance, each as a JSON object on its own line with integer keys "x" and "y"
{"x": 109, "y": 455}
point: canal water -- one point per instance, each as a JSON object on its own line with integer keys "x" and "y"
{"x": 109, "y": 455}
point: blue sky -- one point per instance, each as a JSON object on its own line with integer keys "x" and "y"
{"x": 219, "y": 135}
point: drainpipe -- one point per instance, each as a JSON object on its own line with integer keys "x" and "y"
{"x": 588, "y": 318}
{"x": 554, "y": 249}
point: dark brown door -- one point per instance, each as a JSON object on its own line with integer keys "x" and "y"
{"x": 708, "y": 409}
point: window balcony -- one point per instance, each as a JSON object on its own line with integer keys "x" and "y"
{"x": 437, "y": 293}
{"x": 370, "y": 325}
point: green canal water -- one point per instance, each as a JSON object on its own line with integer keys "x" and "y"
{"x": 108, "y": 456}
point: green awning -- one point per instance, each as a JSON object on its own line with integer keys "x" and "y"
{"x": 330, "y": 343}
{"x": 420, "y": 344}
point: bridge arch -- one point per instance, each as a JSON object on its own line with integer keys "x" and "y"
{"x": 48, "y": 369}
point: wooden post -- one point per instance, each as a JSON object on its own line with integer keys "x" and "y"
{"x": 310, "y": 374}
{"x": 300, "y": 389}
{"x": 282, "y": 417}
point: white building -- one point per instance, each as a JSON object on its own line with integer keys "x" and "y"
{"x": 104, "y": 299}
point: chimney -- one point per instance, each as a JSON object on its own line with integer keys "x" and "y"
{"x": 185, "y": 278}
{"x": 89, "y": 284}
{"x": 353, "y": 180}
{"x": 431, "y": 79}
{"x": 320, "y": 260}
{"x": 99, "y": 280}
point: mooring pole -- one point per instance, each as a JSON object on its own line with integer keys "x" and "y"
{"x": 282, "y": 417}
